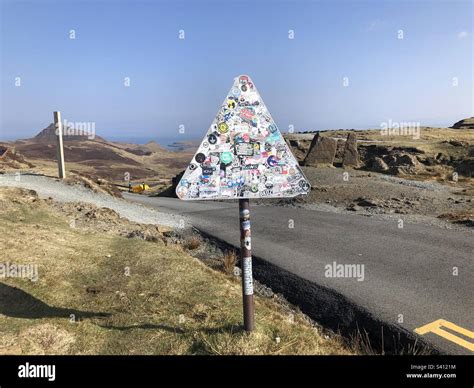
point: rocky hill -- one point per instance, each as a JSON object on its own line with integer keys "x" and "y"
{"x": 91, "y": 154}
{"x": 464, "y": 124}
{"x": 48, "y": 135}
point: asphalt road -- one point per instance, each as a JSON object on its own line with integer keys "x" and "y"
{"x": 408, "y": 278}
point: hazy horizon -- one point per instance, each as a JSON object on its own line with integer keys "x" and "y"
{"x": 318, "y": 65}
{"x": 165, "y": 141}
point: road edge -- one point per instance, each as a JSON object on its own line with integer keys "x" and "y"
{"x": 333, "y": 310}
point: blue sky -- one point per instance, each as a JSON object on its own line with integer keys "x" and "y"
{"x": 177, "y": 82}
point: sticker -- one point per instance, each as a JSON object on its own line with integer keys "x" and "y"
{"x": 272, "y": 161}
{"x": 248, "y": 243}
{"x": 226, "y": 157}
{"x": 246, "y": 225}
{"x": 212, "y": 139}
{"x": 200, "y": 157}
{"x": 243, "y": 79}
{"x": 223, "y": 128}
{"x": 181, "y": 191}
{"x": 245, "y": 214}
{"x": 208, "y": 170}
{"x": 244, "y": 149}
{"x": 305, "y": 185}
{"x": 243, "y": 154}
{"x": 247, "y": 275}
{"x": 235, "y": 92}
{"x": 246, "y": 114}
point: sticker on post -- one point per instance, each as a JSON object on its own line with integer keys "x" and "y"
{"x": 247, "y": 275}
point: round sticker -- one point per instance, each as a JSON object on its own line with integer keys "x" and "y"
{"x": 244, "y": 88}
{"x": 231, "y": 104}
{"x": 272, "y": 128}
{"x": 254, "y": 188}
{"x": 181, "y": 191}
{"x": 200, "y": 158}
{"x": 223, "y": 127}
{"x": 212, "y": 139}
{"x": 272, "y": 161}
{"x": 236, "y": 92}
{"x": 226, "y": 157}
{"x": 245, "y": 214}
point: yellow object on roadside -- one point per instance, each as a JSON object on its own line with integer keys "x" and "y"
{"x": 140, "y": 188}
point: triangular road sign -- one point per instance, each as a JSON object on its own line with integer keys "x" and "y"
{"x": 243, "y": 154}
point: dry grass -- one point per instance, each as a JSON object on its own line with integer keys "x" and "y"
{"x": 360, "y": 343}
{"x": 148, "y": 298}
{"x": 427, "y": 135}
{"x": 192, "y": 243}
{"x": 229, "y": 261}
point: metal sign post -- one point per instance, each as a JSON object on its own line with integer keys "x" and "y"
{"x": 246, "y": 264}
{"x": 243, "y": 155}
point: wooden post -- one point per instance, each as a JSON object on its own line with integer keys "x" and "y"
{"x": 246, "y": 264}
{"x": 60, "y": 150}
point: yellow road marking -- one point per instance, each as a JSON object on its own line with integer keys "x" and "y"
{"x": 436, "y": 327}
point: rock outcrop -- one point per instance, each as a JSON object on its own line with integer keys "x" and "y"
{"x": 464, "y": 124}
{"x": 48, "y": 135}
{"x": 351, "y": 155}
{"x": 298, "y": 147}
{"x": 321, "y": 151}
{"x": 12, "y": 159}
{"x": 393, "y": 160}
{"x": 379, "y": 165}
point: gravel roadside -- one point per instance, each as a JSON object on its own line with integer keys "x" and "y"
{"x": 50, "y": 187}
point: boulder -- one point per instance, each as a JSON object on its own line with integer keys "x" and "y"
{"x": 351, "y": 155}
{"x": 367, "y": 202}
{"x": 403, "y": 164}
{"x": 321, "y": 151}
{"x": 379, "y": 165}
{"x": 341, "y": 145}
{"x": 407, "y": 160}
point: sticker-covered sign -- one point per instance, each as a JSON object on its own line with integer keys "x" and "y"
{"x": 243, "y": 154}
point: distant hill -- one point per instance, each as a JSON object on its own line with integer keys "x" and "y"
{"x": 48, "y": 135}
{"x": 186, "y": 145}
{"x": 98, "y": 156}
{"x": 464, "y": 124}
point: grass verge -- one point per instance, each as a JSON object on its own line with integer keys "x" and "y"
{"x": 101, "y": 293}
